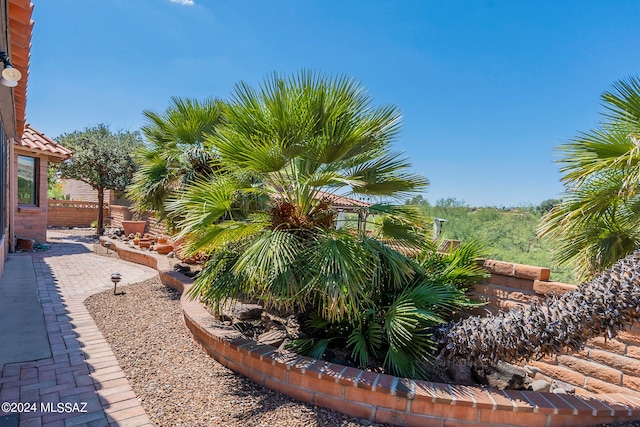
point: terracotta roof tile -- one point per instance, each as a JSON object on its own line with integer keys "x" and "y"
{"x": 338, "y": 200}
{"x": 33, "y": 139}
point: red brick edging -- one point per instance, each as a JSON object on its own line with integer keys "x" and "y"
{"x": 379, "y": 397}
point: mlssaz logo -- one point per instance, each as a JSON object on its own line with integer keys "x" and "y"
{"x": 63, "y": 407}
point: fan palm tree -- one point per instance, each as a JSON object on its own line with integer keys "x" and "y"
{"x": 598, "y": 221}
{"x": 265, "y": 216}
{"x": 174, "y": 154}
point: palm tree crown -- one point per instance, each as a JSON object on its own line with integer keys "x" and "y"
{"x": 598, "y": 221}
{"x": 174, "y": 154}
{"x": 264, "y": 217}
{"x": 282, "y": 146}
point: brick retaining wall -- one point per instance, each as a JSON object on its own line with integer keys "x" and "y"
{"x": 604, "y": 366}
{"x": 387, "y": 399}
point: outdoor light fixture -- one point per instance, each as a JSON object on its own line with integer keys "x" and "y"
{"x": 107, "y": 245}
{"x": 115, "y": 278}
{"x": 10, "y": 75}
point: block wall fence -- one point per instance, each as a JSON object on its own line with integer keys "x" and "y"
{"x": 73, "y": 213}
{"x": 400, "y": 401}
{"x": 77, "y": 213}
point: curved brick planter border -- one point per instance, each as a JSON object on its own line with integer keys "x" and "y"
{"x": 378, "y": 397}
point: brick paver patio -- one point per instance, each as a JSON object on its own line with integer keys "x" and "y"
{"x": 82, "y": 383}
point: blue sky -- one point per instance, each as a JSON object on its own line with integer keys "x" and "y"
{"x": 487, "y": 88}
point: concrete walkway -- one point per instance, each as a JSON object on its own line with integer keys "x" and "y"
{"x": 21, "y": 314}
{"x": 72, "y": 377}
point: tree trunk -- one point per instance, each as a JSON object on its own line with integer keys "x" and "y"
{"x": 100, "y": 211}
{"x": 601, "y": 307}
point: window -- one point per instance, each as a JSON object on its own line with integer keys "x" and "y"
{"x": 27, "y": 180}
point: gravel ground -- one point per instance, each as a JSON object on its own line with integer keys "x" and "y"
{"x": 178, "y": 383}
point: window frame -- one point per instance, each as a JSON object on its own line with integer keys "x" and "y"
{"x": 36, "y": 181}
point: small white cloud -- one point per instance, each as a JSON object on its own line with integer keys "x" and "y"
{"x": 183, "y": 2}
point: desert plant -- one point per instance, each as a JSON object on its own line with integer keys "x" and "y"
{"x": 291, "y": 141}
{"x": 102, "y": 159}
{"x": 266, "y": 220}
{"x": 395, "y": 331}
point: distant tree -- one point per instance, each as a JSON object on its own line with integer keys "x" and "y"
{"x": 547, "y": 205}
{"x": 417, "y": 200}
{"x": 100, "y": 158}
{"x": 54, "y": 186}
{"x": 451, "y": 202}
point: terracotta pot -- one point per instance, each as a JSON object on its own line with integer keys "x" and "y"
{"x": 145, "y": 243}
{"x": 164, "y": 248}
{"x": 136, "y": 241}
{"x": 162, "y": 240}
{"x": 189, "y": 260}
{"x": 133, "y": 227}
{"x": 25, "y": 244}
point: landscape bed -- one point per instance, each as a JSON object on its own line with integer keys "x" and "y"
{"x": 387, "y": 399}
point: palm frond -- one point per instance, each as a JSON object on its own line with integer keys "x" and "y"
{"x": 365, "y": 340}
{"x": 270, "y": 264}
{"x": 410, "y": 345}
{"x": 623, "y": 100}
{"x": 218, "y": 282}
{"x": 312, "y": 347}
{"x": 458, "y": 268}
{"x": 338, "y": 271}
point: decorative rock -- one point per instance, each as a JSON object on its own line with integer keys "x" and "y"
{"x": 293, "y": 328}
{"x": 562, "y": 387}
{"x": 164, "y": 248}
{"x": 462, "y": 374}
{"x": 274, "y": 337}
{"x": 532, "y": 370}
{"x": 540, "y": 386}
{"x": 241, "y": 312}
{"x": 501, "y": 376}
{"x": 171, "y": 254}
{"x": 247, "y": 311}
{"x": 250, "y": 329}
{"x": 181, "y": 268}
